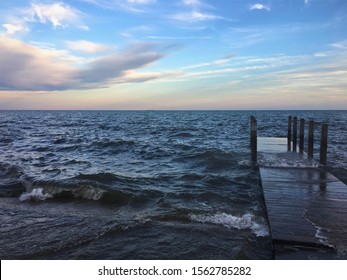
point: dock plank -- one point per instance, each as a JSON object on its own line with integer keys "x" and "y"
{"x": 306, "y": 205}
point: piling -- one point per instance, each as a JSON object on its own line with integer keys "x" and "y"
{"x": 324, "y": 144}
{"x": 302, "y": 135}
{"x": 310, "y": 139}
{"x": 289, "y": 135}
{"x": 254, "y": 140}
{"x": 295, "y": 132}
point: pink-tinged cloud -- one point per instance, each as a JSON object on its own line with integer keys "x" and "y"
{"x": 109, "y": 67}
{"x": 25, "y": 67}
{"x": 85, "y": 46}
{"x": 30, "y": 68}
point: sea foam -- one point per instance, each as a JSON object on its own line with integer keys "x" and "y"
{"x": 81, "y": 192}
{"x": 246, "y": 221}
{"x": 35, "y": 194}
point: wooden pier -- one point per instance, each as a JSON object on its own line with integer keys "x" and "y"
{"x": 306, "y": 205}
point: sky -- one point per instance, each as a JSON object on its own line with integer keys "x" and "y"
{"x": 173, "y": 54}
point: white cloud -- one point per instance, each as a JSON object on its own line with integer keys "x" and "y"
{"x": 85, "y": 46}
{"x": 12, "y": 28}
{"x": 27, "y": 67}
{"x": 196, "y": 4}
{"x": 260, "y": 7}
{"x": 131, "y": 76}
{"x": 58, "y": 14}
{"x": 195, "y": 12}
{"x": 217, "y": 62}
{"x": 321, "y": 54}
{"x": 224, "y": 71}
{"x": 195, "y": 16}
{"x": 191, "y": 2}
{"x": 340, "y": 45}
{"x": 139, "y": 29}
{"x": 132, "y": 6}
{"x": 179, "y": 37}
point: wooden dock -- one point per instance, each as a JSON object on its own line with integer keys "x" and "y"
{"x": 306, "y": 205}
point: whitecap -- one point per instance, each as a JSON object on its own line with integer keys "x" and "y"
{"x": 292, "y": 161}
{"x": 35, "y": 194}
{"x": 246, "y": 221}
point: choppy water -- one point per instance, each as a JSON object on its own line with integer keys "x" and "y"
{"x": 139, "y": 184}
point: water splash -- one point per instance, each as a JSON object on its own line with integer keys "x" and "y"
{"x": 36, "y": 194}
{"x": 246, "y": 221}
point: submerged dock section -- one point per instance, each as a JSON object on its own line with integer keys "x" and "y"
{"x": 306, "y": 205}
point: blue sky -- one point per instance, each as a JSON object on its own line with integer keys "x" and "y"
{"x": 179, "y": 54}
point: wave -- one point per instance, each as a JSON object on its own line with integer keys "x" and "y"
{"x": 83, "y": 192}
{"x": 285, "y": 163}
{"x": 104, "y": 187}
{"x": 212, "y": 159}
{"x": 246, "y": 221}
{"x": 113, "y": 144}
{"x": 183, "y": 134}
{"x": 101, "y": 177}
{"x": 6, "y": 140}
{"x": 62, "y": 140}
{"x": 35, "y": 194}
{"x": 10, "y": 185}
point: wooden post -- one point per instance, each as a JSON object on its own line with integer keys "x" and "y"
{"x": 310, "y": 139}
{"x": 254, "y": 139}
{"x": 324, "y": 144}
{"x": 295, "y": 132}
{"x": 289, "y": 135}
{"x": 302, "y": 135}
{"x": 322, "y": 181}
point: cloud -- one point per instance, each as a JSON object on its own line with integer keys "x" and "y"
{"x": 195, "y": 16}
{"x": 131, "y": 76}
{"x": 195, "y": 11}
{"x": 179, "y": 37}
{"x": 26, "y": 67}
{"x": 217, "y": 62}
{"x": 226, "y": 71}
{"x": 195, "y": 3}
{"x": 12, "y": 28}
{"x": 113, "y": 66}
{"x": 340, "y": 45}
{"x": 58, "y": 15}
{"x": 260, "y": 7}
{"x": 132, "y": 6}
{"x": 85, "y": 46}
{"x": 139, "y": 29}
{"x": 191, "y": 2}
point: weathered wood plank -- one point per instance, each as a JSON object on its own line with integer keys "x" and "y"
{"x": 306, "y": 206}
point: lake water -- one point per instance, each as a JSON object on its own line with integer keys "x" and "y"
{"x": 140, "y": 184}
